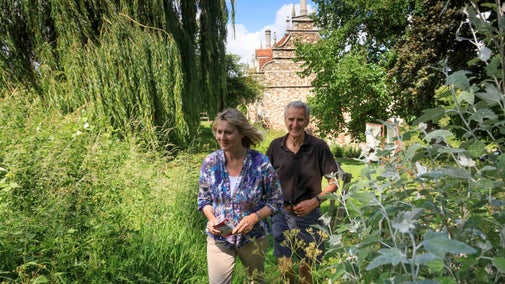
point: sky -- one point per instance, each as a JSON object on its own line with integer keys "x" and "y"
{"x": 252, "y": 17}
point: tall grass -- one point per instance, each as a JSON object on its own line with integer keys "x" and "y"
{"x": 80, "y": 205}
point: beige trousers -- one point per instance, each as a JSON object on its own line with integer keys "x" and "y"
{"x": 221, "y": 260}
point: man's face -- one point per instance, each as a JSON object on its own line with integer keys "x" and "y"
{"x": 295, "y": 121}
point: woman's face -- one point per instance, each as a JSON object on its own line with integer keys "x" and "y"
{"x": 228, "y": 136}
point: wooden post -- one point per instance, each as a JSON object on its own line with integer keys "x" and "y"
{"x": 346, "y": 178}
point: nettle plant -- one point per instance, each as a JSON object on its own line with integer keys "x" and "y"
{"x": 433, "y": 211}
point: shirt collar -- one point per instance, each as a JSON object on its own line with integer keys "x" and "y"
{"x": 306, "y": 140}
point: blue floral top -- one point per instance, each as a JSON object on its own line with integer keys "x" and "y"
{"x": 257, "y": 186}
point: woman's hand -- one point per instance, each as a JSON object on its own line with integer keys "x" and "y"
{"x": 246, "y": 224}
{"x": 211, "y": 229}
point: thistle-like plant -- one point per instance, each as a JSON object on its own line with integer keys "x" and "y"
{"x": 432, "y": 210}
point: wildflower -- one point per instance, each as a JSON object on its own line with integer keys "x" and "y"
{"x": 325, "y": 219}
{"x": 86, "y": 125}
{"x": 335, "y": 240}
{"x": 464, "y": 161}
{"x": 353, "y": 228}
{"x": 484, "y": 53}
{"x": 404, "y": 226}
{"x": 422, "y": 126}
{"x": 420, "y": 169}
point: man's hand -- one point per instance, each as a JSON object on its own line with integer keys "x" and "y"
{"x": 305, "y": 207}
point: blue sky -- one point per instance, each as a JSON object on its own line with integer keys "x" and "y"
{"x": 252, "y": 17}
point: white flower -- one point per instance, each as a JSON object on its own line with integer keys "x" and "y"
{"x": 335, "y": 240}
{"x": 484, "y": 53}
{"x": 404, "y": 226}
{"x": 484, "y": 15}
{"x": 86, "y": 125}
{"x": 464, "y": 161}
{"x": 353, "y": 228}
{"x": 77, "y": 133}
{"x": 420, "y": 169}
{"x": 422, "y": 126}
{"x": 325, "y": 218}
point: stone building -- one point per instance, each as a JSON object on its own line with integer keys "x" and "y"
{"x": 275, "y": 68}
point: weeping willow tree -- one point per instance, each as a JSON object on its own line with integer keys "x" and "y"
{"x": 147, "y": 67}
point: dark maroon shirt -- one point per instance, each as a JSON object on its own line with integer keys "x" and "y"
{"x": 301, "y": 173}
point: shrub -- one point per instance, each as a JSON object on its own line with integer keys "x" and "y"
{"x": 346, "y": 151}
{"x": 352, "y": 151}
{"x": 338, "y": 151}
{"x": 432, "y": 212}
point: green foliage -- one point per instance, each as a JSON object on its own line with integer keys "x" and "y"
{"x": 268, "y": 136}
{"x": 429, "y": 39}
{"x": 354, "y": 86}
{"x": 212, "y": 50}
{"x": 346, "y": 151}
{"x": 375, "y": 59}
{"x": 431, "y": 211}
{"x": 79, "y": 205}
{"x": 351, "y": 61}
{"x": 121, "y": 88}
{"x": 242, "y": 88}
{"x": 149, "y": 66}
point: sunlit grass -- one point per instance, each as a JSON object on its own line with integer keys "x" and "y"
{"x": 78, "y": 204}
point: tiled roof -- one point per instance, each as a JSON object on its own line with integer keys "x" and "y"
{"x": 283, "y": 41}
{"x": 263, "y": 55}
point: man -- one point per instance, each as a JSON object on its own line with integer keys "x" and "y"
{"x": 301, "y": 161}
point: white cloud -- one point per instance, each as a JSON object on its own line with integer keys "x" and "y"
{"x": 245, "y": 41}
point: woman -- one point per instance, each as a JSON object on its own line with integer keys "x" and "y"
{"x": 237, "y": 184}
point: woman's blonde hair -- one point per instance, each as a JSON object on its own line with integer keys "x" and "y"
{"x": 251, "y": 137}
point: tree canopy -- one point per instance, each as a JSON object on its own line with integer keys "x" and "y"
{"x": 242, "y": 88}
{"x": 146, "y": 66}
{"x": 379, "y": 59}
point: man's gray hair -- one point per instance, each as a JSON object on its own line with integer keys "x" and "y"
{"x": 298, "y": 104}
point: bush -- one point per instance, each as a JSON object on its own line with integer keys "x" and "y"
{"x": 352, "y": 151}
{"x": 337, "y": 150}
{"x": 432, "y": 212}
{"x": 346, "y": 151}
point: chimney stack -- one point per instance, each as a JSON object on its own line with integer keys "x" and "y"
{"x": 303, "y": 8}
{"x": 267, "y": 39}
